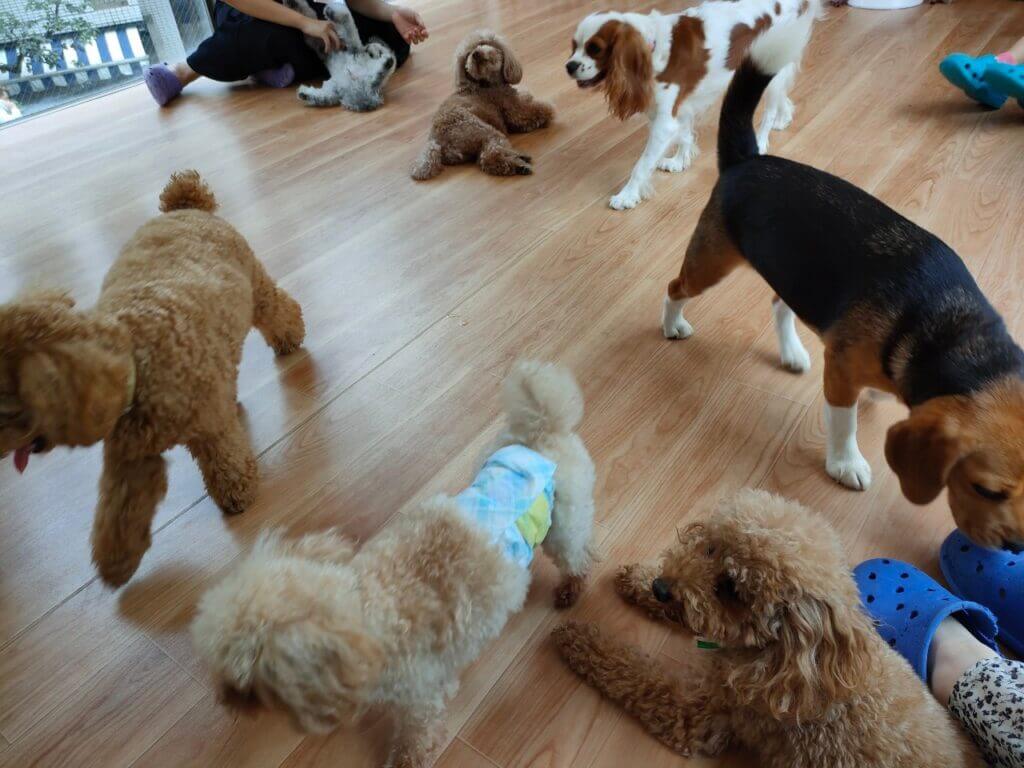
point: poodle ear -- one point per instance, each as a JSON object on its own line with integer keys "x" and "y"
{"x": 628, "y": 87}
{"x": 75, "y": 389}
{"x": 511, "y": 69}
{"x": 320, "y": 674}
{"x": 820, "y": 657}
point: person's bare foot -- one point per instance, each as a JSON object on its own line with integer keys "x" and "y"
{"x": 953, "y": 651}
{"x": 185, "y": 73}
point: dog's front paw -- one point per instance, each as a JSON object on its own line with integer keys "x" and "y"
{"x": 625, "y": 200}
{"x": 569, "y": 591}
{"x": 673, "y": 164}
{"x": 851, "y": 470}
{"x": 633, "y": 582}
{"x": 783, "y": 116}
{"x": 116, "y": 570}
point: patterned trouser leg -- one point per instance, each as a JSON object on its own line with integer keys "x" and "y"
{"x": 989, "y": 701}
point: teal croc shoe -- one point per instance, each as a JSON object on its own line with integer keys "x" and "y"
{"x": 968, "y": 74}
{"x": 1006, "y": 78}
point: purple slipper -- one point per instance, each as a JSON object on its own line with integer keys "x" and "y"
{"x": 163, "y": 84}
{"x": 279, "y": 77}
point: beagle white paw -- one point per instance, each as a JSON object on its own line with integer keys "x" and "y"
{"x": 851, "y": 470}
{"x": 795, "y": 358}
{"x": 673, "y": 324}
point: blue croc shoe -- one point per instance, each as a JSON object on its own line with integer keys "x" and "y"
{"x": 1006, "y": 78}
{"x": 908, "y": 606}
{"x": 968, "y": 74}
{"x": 994, "y": 577}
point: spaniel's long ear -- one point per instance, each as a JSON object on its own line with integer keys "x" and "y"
{"x": 628, "y": 84}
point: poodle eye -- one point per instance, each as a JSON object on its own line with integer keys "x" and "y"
{"x": 988, "y": 493}
{"x": 592, "y": 49}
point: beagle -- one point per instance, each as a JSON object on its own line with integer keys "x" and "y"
{"x": 895, "y": 307}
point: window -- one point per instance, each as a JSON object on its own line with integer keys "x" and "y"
{"x": 53, "y": 52}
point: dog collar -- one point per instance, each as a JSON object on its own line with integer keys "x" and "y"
{"x": 707, "y": 645}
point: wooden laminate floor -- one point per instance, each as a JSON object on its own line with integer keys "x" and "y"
{"x": 417, "y": 299}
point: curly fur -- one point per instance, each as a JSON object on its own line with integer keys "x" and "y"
{"x": 325, "y": 630}
{"x": 172, "y": 315}
{"x": 358, "y": 73}
{"x": 472, "y": 124}
{"x": 801, "y": 678}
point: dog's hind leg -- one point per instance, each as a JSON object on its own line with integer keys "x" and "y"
{"x": 324, "y": 96}
{"x": 570, "y": 544}
{"x": 778, "y": 107}
{"x": 130, "y": 490}
{"x": 685, "y": 720}
{"x": 792, "y": 352}
{"x": 420, "y": 735}
{"x": 499, "y": 158}
{"x": 276, "y": 315}
{"x": 710, "y": 256}
{"x": 226, "y": 460}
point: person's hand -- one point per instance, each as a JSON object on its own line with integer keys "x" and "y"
{"x": 409, "y": 25}
{"x": 324, "y": 32}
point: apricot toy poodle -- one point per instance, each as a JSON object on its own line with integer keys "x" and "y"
{"x": 325, "y": 629}
{"x": 796, "y": 672}
{"x": 153, "y": 365}
{"x": 472, "y": 124}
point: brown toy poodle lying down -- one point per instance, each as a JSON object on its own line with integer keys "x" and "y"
{"x": 471, "y": 124}
{"x": 153, "y": 365}
{"x": 325, "y": 630}
{"x": 800, "y": 676}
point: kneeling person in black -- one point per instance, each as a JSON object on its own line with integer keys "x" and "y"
{"x": 262, "y": 38}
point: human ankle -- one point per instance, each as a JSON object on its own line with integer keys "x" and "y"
{"x": 953, "y": 651}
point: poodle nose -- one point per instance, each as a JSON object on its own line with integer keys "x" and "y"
{"x": 662, "y": 591}
{"x": 571, "y": 67}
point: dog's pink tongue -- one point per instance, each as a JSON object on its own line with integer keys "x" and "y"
{"x": 21, "y": 456}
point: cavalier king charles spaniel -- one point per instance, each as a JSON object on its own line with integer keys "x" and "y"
{"x": 674, "y": 67}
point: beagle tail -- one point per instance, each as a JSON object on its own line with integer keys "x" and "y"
{"x": 770, "y": 53}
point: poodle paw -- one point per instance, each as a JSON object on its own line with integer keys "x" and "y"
{"x": 522, "y": 167}
{"x": 288, "y": 342}
{"x": 851, "y": 470}
{"x": 633, "y": 582}
{"x": 569, "y": 591}
{"x": 116, "y": 571}
{"x": 626, "y": 199}
{"x": 795, "y": 358}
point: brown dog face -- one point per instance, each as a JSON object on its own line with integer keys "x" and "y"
{"x": 974, "y": 446}
{"x": 609, "y": 51}
{"x": 764, "y": 573}
{"x": 58, "y": 385}
{"x": 485, "y": 59}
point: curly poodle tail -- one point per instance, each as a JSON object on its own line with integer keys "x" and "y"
{"x": 185, "y": 190}
{"x": 428, "y": 164}
{"x": 541, "y": 399}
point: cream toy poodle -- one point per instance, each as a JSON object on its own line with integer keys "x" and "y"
{"x": 796, "y": 673}
{"x": 153, "y": 365}
{"x": 325, "y": 629}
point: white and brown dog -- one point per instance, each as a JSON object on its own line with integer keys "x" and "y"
{"x": 674, "y": 67}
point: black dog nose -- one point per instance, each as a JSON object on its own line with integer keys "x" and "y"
{"x": 662, "y": 591}
{"x": 1013, "y": 546}
{"x": 571, "y": 67}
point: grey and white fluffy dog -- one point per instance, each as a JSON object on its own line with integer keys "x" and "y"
{"x": 358, "y": 72}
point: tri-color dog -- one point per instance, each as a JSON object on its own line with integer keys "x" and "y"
{"x": 895, "y": 307}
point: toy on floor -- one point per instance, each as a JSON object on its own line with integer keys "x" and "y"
{"x": 325, "y": 629}
{"x": 153, "y": 365}
{"x": 358, "y": 72}
{"x": 795, "y": 671}
{"x": 471, "y": 124}
{"x": 989, "y": 79}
